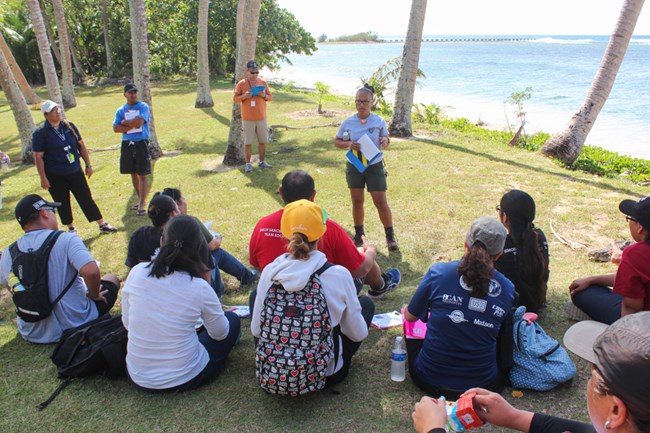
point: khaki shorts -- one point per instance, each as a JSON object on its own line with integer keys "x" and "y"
{"x": 253, "y": 128}
{"x": 374, "y": 177}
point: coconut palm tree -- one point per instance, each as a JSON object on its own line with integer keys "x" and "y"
{"x": 69, "y": 99}
{"x": 567, "y": 145}
{"x": 400, "y": 124}
{"x": 28, "y": 92}
{"x": 51, "y": 80}
{"x": 246, "y": 44}
{"x": 203, "y": 96}
{"x": 107, "y": 46}
{"x": 140, "y": 48}
{"x": 24, "y": 119}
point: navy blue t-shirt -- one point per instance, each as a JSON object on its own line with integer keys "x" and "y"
{"x": 59, "y": 147}
{"x": 459, "y": 350}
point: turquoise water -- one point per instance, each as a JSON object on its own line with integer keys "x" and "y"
{"x": 473, "y": 79}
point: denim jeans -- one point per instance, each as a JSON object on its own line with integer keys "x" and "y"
{"x": 600, "y": 303}
{"x": 224, "y": 261}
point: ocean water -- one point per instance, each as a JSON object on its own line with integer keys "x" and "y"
{"x": 473, "y": 79}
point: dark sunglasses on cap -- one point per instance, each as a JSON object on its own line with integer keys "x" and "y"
{"x": 629, "y": 218}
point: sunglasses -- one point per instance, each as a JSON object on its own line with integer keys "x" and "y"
{"x": 629, "y": 218}
{"x": 255, "y": 73}
{"x": 132, "y": 91}
{"x": 362, "y": 101}
{"x": 498, "y": 209}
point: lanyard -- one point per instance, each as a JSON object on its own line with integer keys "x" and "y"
{"x": 59, "y": 134}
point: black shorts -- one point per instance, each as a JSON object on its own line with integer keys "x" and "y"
{"x": 135, "y": 157}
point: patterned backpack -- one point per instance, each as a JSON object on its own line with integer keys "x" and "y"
{"x": 295, "y": 339}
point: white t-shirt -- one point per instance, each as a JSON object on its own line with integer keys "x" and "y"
{"x": 69, "y": 254}
{"x": 160, "y": 314}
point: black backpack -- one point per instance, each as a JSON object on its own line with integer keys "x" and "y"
{"x": 96, "y": 347}
{"x": 32, "y": 300}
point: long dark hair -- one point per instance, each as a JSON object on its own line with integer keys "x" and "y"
{"x": 179, "y": 251}
{"x": 531, "y": 266}
{"x": 476, "y": 268}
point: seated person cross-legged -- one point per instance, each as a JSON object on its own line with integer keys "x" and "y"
{"x": 162, "y": 302}
{"x": 464, "y": 304}
{"x": 630, "y": 284}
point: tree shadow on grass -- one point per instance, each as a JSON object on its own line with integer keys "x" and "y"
{"x": 528, "y": 167}
{"x": 221, "y": 119}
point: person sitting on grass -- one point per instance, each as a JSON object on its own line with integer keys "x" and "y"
{"x": 144, "y": 243}
{"x": 630, "y": 284}
{"x": 162, "y": 302}
{"x": 617, "y": 392}
{"x": 267, "y": 242}
{"x": 223, "y": 260}
{"x": 525, "y": 255}
{"x": 464, "y": 304}
{"x": 290, "y": 276}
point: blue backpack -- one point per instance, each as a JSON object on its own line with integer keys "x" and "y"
{"x": 539, "y": 361}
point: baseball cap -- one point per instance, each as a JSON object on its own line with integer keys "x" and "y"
{"x": 490, "y": 232}
{"x": 639, "y": 210}
{"x": 30, "y": 204}
{"x": 48, "y": 106}
{"x": 252, "y": 65}
{"x": 518, "y": 204}
{"x": 130, "y": 87}
{"x": 305, "y": 217}
{"x": 621, "y": 353}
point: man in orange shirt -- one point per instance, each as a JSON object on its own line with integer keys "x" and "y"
{"x": 253, "y": 93}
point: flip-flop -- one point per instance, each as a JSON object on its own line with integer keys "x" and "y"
{"x": 141, "y": 212}
{"x": 135, "y": 207}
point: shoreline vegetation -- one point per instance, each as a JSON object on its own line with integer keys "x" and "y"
{"x": 370, "y": 37}
{"x": 439, "y": 182}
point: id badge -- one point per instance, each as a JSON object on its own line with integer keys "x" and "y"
{"x": 70, "y": 158}
{"x": 253, "y": 103}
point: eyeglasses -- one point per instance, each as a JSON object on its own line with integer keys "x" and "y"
{"x": 498, "y": 209}
{"x": 629, "y": 218}
{"x": 362, "y": 101}
{"x": 255, "y": 73}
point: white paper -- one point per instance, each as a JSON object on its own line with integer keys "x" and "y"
{"x": 130, "y": 115}
{"x": 240, "y": 310}
{"x": 368, "y": 148}
{"x": 391, "y": 319}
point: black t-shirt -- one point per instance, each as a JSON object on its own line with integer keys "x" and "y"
{"x": 144, "y": 245}
{"x": 549, "y": 424}
{"x": 507, "y": 265}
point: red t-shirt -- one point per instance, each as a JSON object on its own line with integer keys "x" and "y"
{"x": 267, "y": 243}
{"x": 633, "y": 275}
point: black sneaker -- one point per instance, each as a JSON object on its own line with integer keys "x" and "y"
{"x": 359, "y": 239}
{"x": 392, "y": 278}
{"x": 106, "y": 228}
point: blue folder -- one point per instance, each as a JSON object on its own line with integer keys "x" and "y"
{"x": 358, "y": 164}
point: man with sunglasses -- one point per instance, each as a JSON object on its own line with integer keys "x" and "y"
{"x": 132, "y": 121}
{"x": 630, "y": 284}
{"x": 69, "y": 264}
{"x": 253, "y": 93}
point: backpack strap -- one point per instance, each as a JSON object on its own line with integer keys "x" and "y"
{"x": 56, "y": 392}
{"x": 48, "y": 245}
{"x": 335, "y": 335}
{"x": 323, "y": 268}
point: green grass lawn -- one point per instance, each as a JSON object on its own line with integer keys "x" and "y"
{"x": 438, "y": 184}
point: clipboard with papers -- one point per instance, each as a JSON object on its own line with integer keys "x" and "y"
{"x": 367, "y": 156}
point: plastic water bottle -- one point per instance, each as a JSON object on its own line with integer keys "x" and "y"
{"x": 398, "y": 365}
{"x": 14, "y": 284}
{"x": 0, "y": 194}
{"x": 346, "y": 135}
{"x": 5, "y": 164}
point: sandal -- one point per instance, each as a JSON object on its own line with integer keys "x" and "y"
{"x": 135, "y": 207}
{"x": 141, "y": 212}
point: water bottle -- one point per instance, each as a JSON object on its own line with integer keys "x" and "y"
{"x": 398, "y": 364}
{"x": 346, "y": 135}
{"x": 14, "y": 284}
{"x": 0, "y": 194}
{"x": 5, "y": 163}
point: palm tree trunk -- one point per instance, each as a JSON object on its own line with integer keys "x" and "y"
{"x": 246, "y": 45}
{"x": 107, "y": 46}
{"x": 24, "y": 119}
{"x": 203, "y": 96}
{"x": 400, "y": 124}
{"x": 75, "y": 61}
{"x": 69, "y": 99}
{"x": 28, "y": 92}
{"x": 51, "y": 80}
{"x": 567, "y": 145}
{"x": 140, "y": 47}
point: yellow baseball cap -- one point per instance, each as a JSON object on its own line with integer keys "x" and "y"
{"x": 305, "y": 217}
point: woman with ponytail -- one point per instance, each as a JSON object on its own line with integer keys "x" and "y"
{"x": 303, "y": 224}
{"x": 525, "y": 255}
{"x": 162, "y": 303}
{"x": 464, "y": 303}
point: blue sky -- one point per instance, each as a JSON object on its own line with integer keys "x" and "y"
{"x": 390, "y": 17}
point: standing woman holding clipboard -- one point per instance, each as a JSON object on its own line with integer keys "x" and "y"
{"x": 361, "y": 171}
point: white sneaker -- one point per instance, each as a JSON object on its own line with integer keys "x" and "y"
{"x": 248, "y": 168}
{"x": 264, "y": 164}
